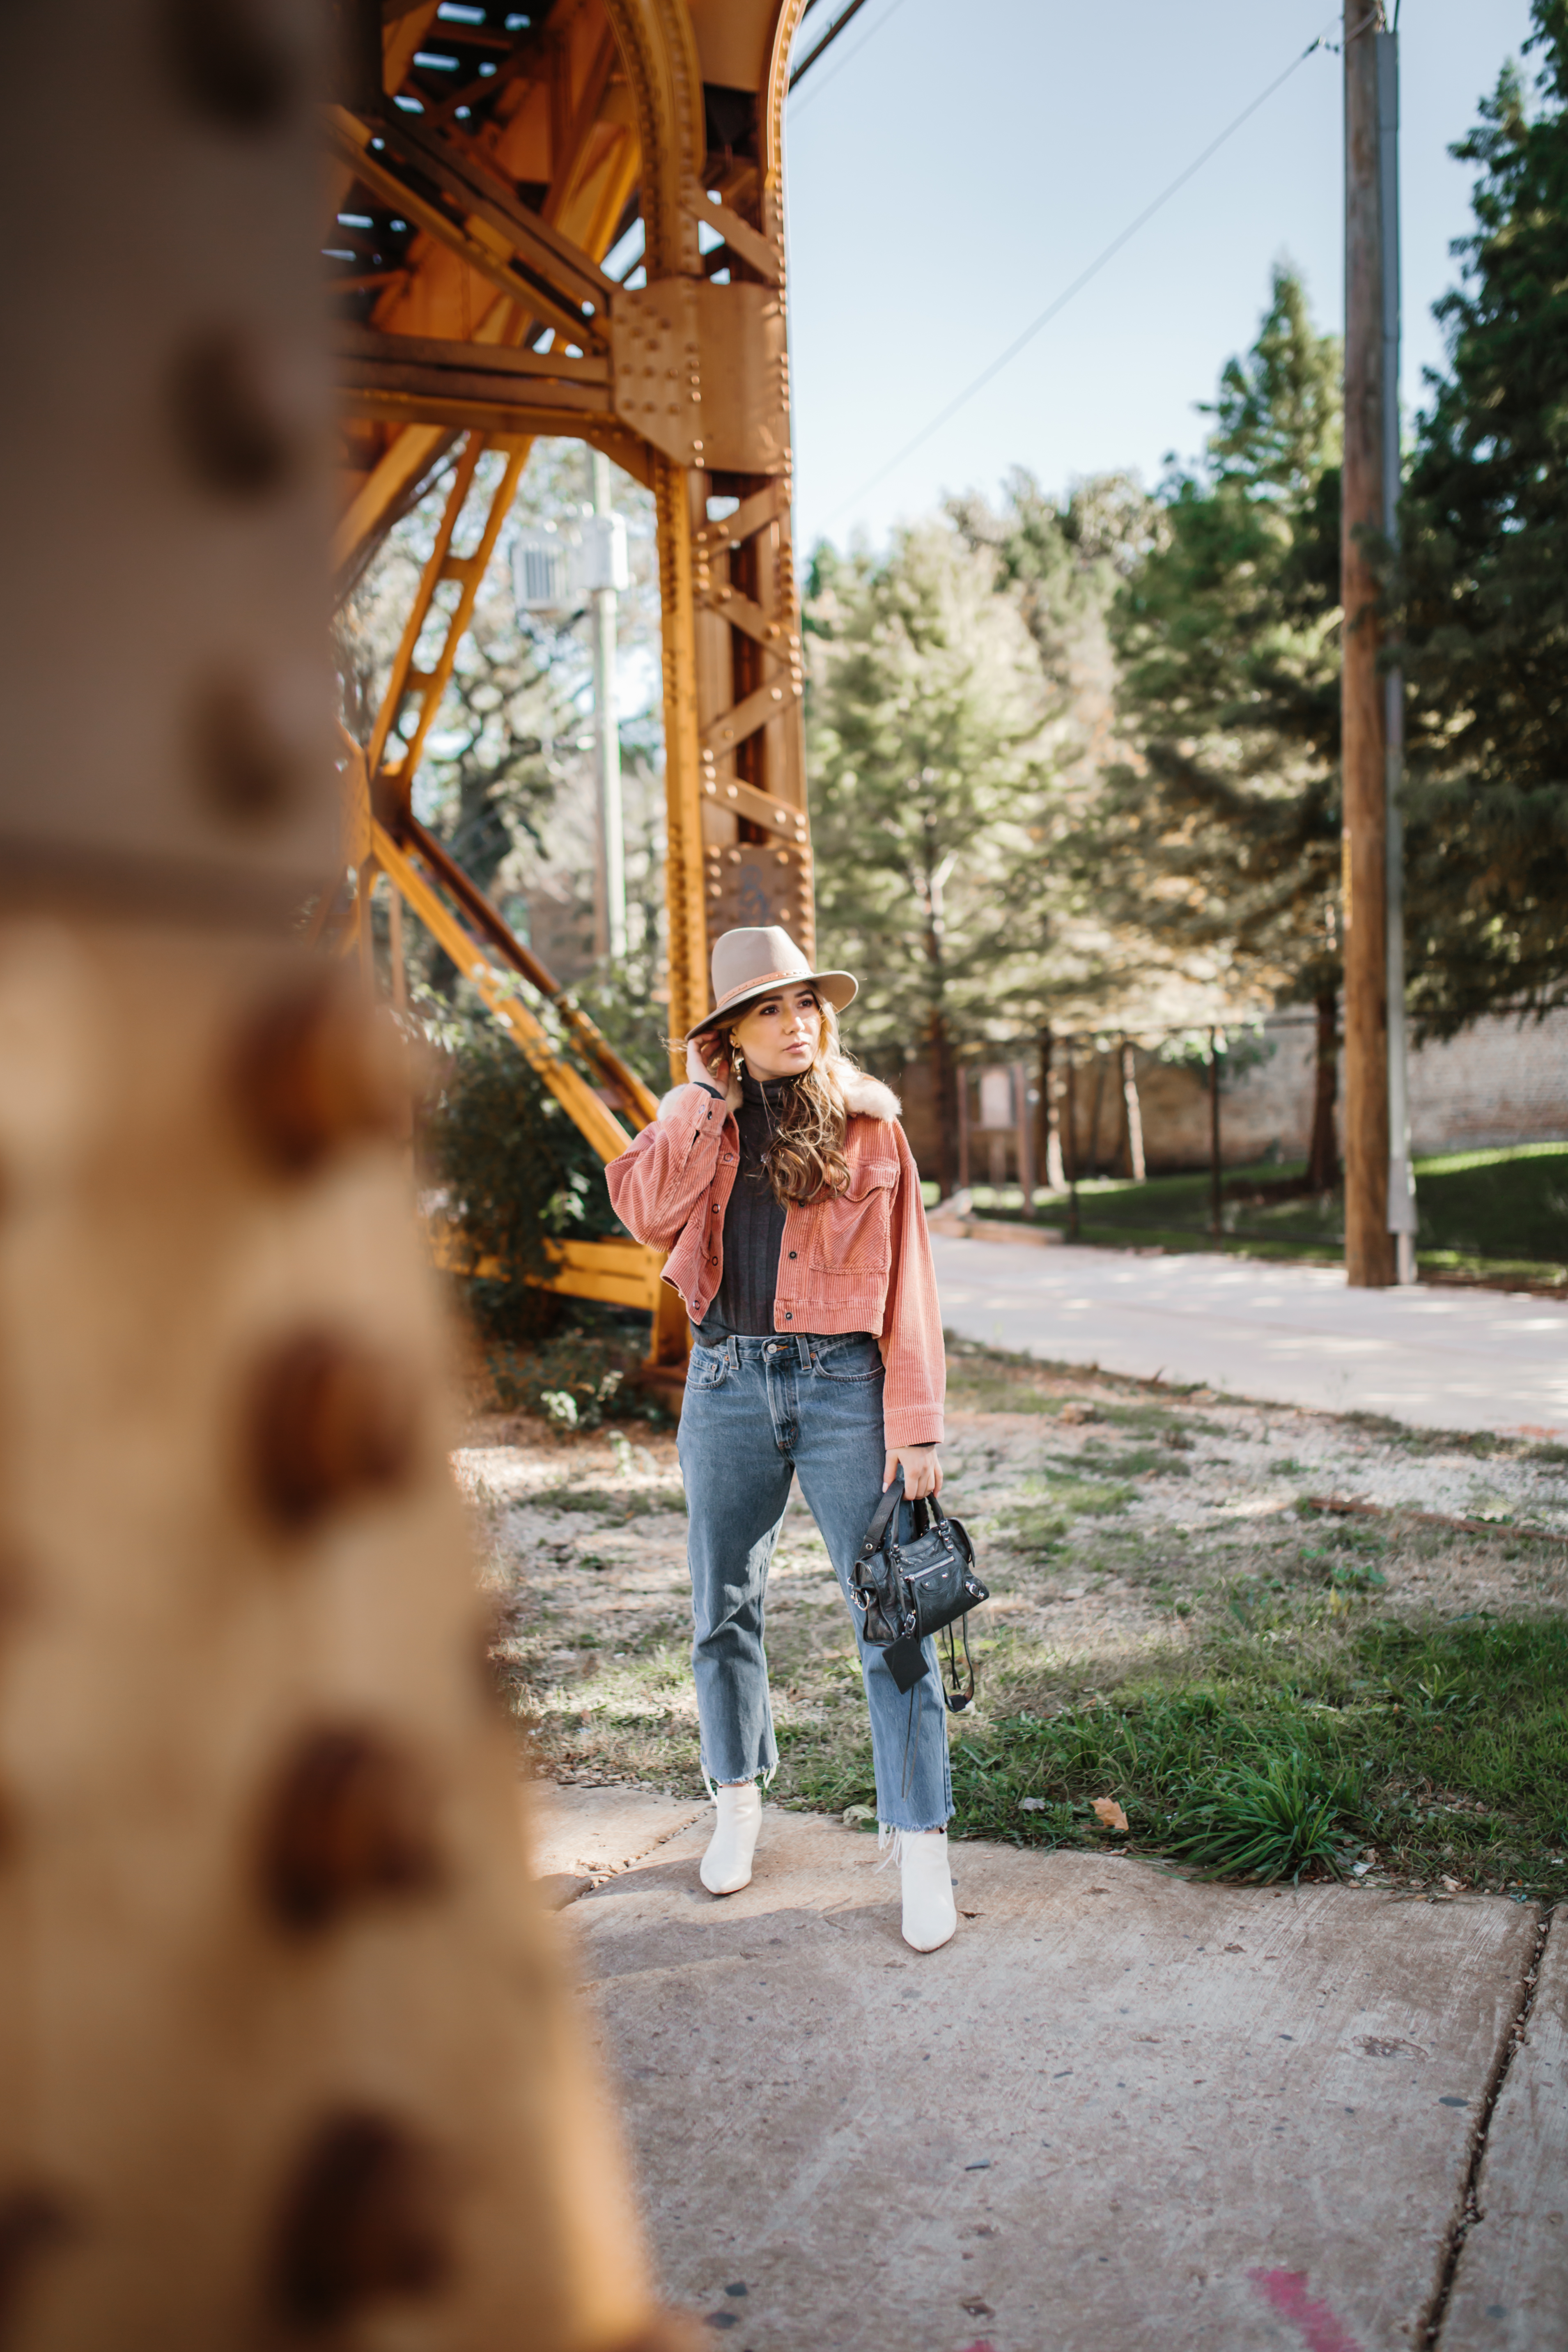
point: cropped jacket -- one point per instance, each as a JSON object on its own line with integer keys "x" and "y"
{"x": 855, "y": 1261}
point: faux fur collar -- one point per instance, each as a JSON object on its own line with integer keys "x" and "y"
{"x": 866, "y": 1096}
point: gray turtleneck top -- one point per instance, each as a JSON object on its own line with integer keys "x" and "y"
{"x": 754, "y": 1224}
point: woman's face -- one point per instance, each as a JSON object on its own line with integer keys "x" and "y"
{"x": 779, "y": 1036}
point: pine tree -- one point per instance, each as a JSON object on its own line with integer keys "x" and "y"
{"x": 1063, "y": 560}
{"x": 928, "y": 770}
{"x": 1483, "y": 583}
{"x": 1220, "y": 840}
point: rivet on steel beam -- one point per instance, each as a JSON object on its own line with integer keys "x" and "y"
{"x": 352, "y": 1818}
{"x": 330, "y": 1421}
{"x": 236, "y": 417}
{"x": 315, "y": 1069}
{"x": 367, "y": 2216}
{"x": 228, "y": 61}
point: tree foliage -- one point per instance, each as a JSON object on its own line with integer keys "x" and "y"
{"x": 930, "y": 770}
{"x": 1483, "y": 580}
{"x": 1063, "y": 560}
{"x": 1220, "y": 837}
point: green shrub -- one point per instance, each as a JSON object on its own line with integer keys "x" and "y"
{"x": 516, "y": 1173}
{"x": 578, "y": 1380}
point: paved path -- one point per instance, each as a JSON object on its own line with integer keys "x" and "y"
{"x": 1117, "y": 2111}
{"x": 1292, "y": 1334}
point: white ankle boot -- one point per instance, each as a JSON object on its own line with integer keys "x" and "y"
{"x": 930, "y": 1914}
{"x": 727, "y": 1865}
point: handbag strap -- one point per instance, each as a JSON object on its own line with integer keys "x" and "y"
{"x": 882, "y": 1515}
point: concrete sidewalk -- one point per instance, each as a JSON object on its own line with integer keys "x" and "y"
{"x": 1290, "y": 1334}
{"x": 1118, "y": 2113}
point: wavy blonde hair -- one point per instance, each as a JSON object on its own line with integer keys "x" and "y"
{"x": 804, "y": 1159}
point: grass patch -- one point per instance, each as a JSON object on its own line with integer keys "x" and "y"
{"x": 977, "y": 1384}
{"x": 1135, "y": 1461}
{"x": 1442, "y": 1750}
{"x": 1425, "y": 1753}
{"x": 982, "y": 1378}
{"x": 1033, "y": 1528}
{"x": 1497, "y": 1215}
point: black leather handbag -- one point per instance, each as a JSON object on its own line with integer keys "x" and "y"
{"x": 905, "y": 1590}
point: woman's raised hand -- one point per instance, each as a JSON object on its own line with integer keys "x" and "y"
{"x": 709, "y": 1062}
{"x": 922, "y": 1470}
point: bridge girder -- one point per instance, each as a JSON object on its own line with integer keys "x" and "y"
{"x": 495, "y": 324}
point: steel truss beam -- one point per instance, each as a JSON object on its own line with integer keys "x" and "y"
{"x": 504, "y": 326}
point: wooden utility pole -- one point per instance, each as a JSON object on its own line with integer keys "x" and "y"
{"x": 1402, "y": 1211}
{"x": 1369, "y": 1246}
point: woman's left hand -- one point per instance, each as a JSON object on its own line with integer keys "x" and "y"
{"x": 922, "y": 1470}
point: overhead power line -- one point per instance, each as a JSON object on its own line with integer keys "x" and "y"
{"x": 831, "y": 35}
{"x": 1079, "y": 283}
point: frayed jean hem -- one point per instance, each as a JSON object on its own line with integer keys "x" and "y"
{"x": 765, "y": 1772}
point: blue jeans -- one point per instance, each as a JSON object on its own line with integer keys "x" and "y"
{"x": 755, "y": 1410}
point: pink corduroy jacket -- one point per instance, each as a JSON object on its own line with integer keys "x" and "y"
{"x": 859, "y": 1261}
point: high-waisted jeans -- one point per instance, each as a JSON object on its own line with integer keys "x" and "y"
{"x": 756, "y": 1410}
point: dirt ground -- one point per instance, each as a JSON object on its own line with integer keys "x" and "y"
{"x": 1115, "y": 1520}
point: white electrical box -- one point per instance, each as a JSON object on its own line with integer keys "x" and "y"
{"x": 598, "y": 559}
{"x": 555, "y": 566}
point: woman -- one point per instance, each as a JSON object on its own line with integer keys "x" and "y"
{"x": 780, "y": 1182}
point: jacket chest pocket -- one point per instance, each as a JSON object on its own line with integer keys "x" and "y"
{"x": 853, "y": 1233}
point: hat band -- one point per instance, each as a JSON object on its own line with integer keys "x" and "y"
{"x": 750, "y": 987}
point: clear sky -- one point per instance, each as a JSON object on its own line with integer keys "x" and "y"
{"x": 953, "y": 164}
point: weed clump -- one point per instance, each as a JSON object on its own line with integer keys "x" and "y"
{"x": 1265, "y": 1821}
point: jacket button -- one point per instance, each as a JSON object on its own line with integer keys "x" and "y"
{"x": 795, "y": 1252}
{"x": 789, "y": 1318}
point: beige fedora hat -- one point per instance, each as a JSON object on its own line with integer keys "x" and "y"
{"x": 754, "y": 962}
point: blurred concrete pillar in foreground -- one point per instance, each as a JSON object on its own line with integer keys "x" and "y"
{"x": 284, "y": 2051}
